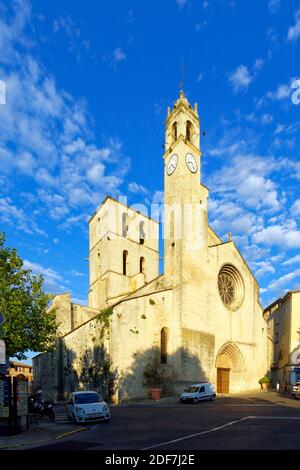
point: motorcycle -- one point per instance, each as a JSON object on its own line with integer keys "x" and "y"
{"x": 40, "y": 407}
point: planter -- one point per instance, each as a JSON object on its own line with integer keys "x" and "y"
{"x": 155, "y": 393}
{"x": 265, "y": 386}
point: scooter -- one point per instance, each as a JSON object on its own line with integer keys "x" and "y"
{"x": 41, "y": 408}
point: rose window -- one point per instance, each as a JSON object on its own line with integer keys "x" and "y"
{"x": 231, "y": 287}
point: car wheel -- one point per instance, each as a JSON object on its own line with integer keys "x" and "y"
{"x": 107, "y": 420}
{"x": 195, "y": 400}
{"x": 212, "y": 397}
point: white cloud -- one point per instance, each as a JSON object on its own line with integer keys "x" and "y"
{"x": 79, "y": 301}
{"x": 282, "y": 92}
{"x": 199, "y": 78}
{"x": 294, "y": 31}
{"x": 52, "y": 130}
{"x": 119, "y": 55}
{"x": 264, "y": 267}
{"x": 247, "y": 178}
{"x": 136, "y": 188}
{"x": 228, "y": 216}
{"x": 266, "y": 119}
{"x": 284, "y": 281}
{"x": 76, "y": 44}
{"x": 75, "y": 220}
{"x": 241, "y": 78}
{"x": 158, "y": 197}
{"x": 16, "y": 217}
{"x": 291, "y": 261}
{"x": 258, "y": 64}
{"x": 295, "y": 209}
{"x": 279, "y": 235}
{"x": 76, "y": 273}
{"x": 53, "y": 280}
{"x": 273, "y": 6}
{"x": 181, "y": 3}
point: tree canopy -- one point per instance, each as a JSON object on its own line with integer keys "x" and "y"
{"x": 29, "y": 324}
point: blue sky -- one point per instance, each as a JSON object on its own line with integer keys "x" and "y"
{"x": 87, "y": 89}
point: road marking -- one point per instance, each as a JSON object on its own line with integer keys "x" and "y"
{"x": 69, "y": 433}
{"x": 231, "y": 423}
{"x": 190, "y": 405}
{"x": 248, "y": 404}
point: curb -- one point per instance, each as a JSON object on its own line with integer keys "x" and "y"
{"x": 69, "y": 433}
{"x": 60, "y": 436}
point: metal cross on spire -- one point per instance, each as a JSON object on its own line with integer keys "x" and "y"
{"x": 181, "y": 75}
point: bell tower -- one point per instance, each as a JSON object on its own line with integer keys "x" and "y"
{"x": 185, "y": 199}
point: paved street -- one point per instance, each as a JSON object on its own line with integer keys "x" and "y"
{"x": 259, "y": 421}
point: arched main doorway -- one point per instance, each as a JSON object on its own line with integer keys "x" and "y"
{"x": 230, "y": 365}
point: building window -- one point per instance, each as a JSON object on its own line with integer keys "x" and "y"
{"x": 172, "y": 226}
{"x": 125, "y": 262}
{"x": 174, "y": 131}
{"x": 142, "y": 265}
{"x": 189, "y": 131}
{"x": 142, "y": 233}
{"x": 124, "y": 225}
{"x": 164, "y": 346}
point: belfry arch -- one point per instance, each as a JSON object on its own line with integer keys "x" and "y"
{"x": 230, "y": 367}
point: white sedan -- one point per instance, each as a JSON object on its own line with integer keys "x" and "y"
{"x": 87, "y": 406}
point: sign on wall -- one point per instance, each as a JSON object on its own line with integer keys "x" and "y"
{"x": 2, "y": 352}
{"x": 4, "y": 396}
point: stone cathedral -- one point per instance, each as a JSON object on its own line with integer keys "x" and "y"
{"x": 201, "y": 318}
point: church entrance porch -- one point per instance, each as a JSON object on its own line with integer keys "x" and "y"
{"x": 230, "y": 366}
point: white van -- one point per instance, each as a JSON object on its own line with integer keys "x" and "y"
{"x": 197, "y": 392}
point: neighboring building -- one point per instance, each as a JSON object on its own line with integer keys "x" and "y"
{"x": 19, "y": 368}
{"x": 203, "y": 314}
{"x": 283, "y": 319}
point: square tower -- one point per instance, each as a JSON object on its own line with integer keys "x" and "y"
{"x": 185, "y": 199}
{"x": 123, "y": 252}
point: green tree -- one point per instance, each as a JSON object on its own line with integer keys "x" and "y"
{"x": 29, "y": 325}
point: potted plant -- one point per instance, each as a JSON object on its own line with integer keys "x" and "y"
{"x": 264, "y": 382}
{"x": 154, "y": 376}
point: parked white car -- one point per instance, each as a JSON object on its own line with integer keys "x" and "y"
{"x": 198, "y": 392}
{"x": 87, "y": 406}
{"x": 296, "y": 390}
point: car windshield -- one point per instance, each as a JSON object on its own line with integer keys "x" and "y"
{"x": 83, "y": 398}
{"x": 192, "y": 389}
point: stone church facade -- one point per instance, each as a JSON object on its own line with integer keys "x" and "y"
{"x": 202, "y": 317}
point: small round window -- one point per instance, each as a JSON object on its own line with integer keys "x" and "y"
{"x": 231, "y": 287}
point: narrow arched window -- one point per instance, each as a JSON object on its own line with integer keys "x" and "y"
{"x": 174, "y": 131}
{"x": 98, "y": 262}
{"x": 125, "y": 262}
{"x": 124, "y": 225}
{"x": 164, "y": 346}
{"x": 172, "y": 226}
{"x": 189, "y": 131}
{"x": 142, "y": 233}
{"x": 142, "y": 265}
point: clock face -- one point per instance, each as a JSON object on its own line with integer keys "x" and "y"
{"x": 172, "y": 164}
{"x": 191, "y": 162}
